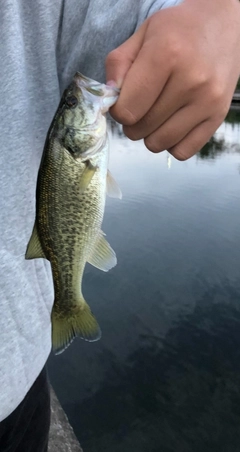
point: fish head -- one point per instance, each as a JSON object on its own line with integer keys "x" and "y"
{"x": 82, "y": 125}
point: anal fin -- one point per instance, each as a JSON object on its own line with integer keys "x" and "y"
{"x": 102, "y": 255}
{"x": 34, "y": 248}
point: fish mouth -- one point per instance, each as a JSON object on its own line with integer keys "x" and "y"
{"x": 86, "y": 82}
{"x": 107, "y": 95}
{"x": 82, "y": 80}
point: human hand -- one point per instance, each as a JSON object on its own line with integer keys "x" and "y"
{"x": 177, "y": 75}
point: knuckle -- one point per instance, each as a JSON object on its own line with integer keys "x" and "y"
{"x": 221, "y": 114}
{"x": 198, "y": 79}
{"x": 153, "y": 145}
{"x": 221, "y": 104}
{"x": 115, "y": 56}
{"x": 131, "y": 133}
{"x": 174, "y": 49}
{"x": 179, "y": 154}
{"x": 174, "y": 44}
{"x": 217, "y": 91}
{"x": 126, "y": 117}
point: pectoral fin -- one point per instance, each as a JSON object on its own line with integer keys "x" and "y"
{"x": 87, "y": 175}
{"x": 102, "y": 255}
{"x": 34, "y": 248}
{"x": 113, "y": 189}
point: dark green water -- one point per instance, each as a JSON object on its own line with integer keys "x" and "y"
{"x": 165, "y": 376}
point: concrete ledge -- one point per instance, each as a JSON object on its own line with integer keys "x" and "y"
{"x": 61, "y": 437}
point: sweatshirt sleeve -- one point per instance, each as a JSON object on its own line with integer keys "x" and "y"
{"x": 90, "y": 29}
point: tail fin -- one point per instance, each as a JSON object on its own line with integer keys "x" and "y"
{"x": 78, "y": 321}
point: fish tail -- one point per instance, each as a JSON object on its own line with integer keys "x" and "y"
{"x": 77, "y": 321}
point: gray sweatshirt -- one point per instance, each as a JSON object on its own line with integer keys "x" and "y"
{"x": 42, "y": 44}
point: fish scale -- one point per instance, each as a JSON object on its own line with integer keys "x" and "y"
{"x": 70, "y": 201}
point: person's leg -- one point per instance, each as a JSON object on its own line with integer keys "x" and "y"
{"x": 27, "y": 428}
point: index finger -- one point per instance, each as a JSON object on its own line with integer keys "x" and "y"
{"x": 143, "y": 83}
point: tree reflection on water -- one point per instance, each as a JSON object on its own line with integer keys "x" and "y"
{"x": 233, "y": 115}
{"x": 217, "y": 145}
{"x": 213, "y": 148}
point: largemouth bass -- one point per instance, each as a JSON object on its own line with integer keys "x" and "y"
{"x": 70, "y": 198}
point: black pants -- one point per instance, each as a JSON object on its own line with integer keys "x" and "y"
{"x": 27, "y": 428}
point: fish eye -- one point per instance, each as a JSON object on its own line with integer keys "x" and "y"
{"x": 71, "y": 101}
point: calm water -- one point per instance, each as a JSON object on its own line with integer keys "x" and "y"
{"x": 165, "y": 376}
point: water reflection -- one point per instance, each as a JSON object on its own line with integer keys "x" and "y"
{"x": 165, "y": 376}
{"x": 226, "y": 139}
{"x": 233, "y": 116}
{"x": 180, "y": 392}
{"x": 213, "y": 148}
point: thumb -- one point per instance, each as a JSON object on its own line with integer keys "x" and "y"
{"x": 119, "y": 61}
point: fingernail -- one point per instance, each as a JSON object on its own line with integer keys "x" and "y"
{"x": 114, "y": 84}
{"x": 111, "y": 83}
